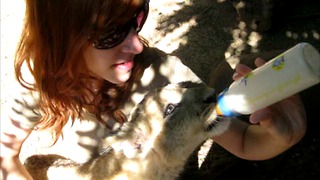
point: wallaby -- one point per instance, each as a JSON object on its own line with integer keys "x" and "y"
{"x": 162, "y": 132}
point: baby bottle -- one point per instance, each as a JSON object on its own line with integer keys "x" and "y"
{"x": 287, "y": 74}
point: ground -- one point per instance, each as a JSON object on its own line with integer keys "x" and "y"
{"x": 211, "y": 36}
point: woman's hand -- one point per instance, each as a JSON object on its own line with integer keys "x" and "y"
{"x": 285, "y": 120}
{"x": 272, "y": 131}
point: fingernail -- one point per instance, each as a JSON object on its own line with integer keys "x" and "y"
{"x": 235, "y": 75}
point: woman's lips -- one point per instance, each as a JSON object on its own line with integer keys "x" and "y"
{"x": 126, "y": 66}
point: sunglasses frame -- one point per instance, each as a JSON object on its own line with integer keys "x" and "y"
{"x": 117, "y": 35}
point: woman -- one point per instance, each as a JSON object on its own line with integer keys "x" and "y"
{"x": 85, "y": 58}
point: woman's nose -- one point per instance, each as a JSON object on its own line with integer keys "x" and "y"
{"x": 132, "y": 43}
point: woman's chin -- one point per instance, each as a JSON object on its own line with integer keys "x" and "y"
{"x": 121, "y": 79}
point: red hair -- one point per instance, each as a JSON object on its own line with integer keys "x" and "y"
{"x": 52, "y": 45}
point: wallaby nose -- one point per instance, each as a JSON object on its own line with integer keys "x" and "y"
{"x": 211, "y": 97}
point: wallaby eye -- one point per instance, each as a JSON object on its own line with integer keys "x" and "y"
{"x": 170, "y": 108}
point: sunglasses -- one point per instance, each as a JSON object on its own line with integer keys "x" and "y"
{"x": 118, "y": 34}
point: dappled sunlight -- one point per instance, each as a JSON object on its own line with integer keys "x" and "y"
{"x": 178, "y": 74}
{"x": 132, "y": 166}
{"x": 221, "y": 1}
{"x": 247, "y": 30}
{"x": 304, "y": 35}
{"x": 316, "y": 35}
{"x": 175, "y": 5}
{"x": 80, "y": 140}
{"x": 137, "y": 97}
{"x": 199, "y": 32}
{"x": 153, "y": 107}
{"x": 171, "y": 94}
{"x": 174, "y": 39}
{"x": 203, "y": 151}
{"x": 169, "y": 69}
{"x": 132, "y": 170}
{"x": 253, "y": 41}
{"x": 148, "y": 76}
{"x": 60, "y": 173}
{"x": 242, "y": 38}
{"x": 122, "y": 177}
{"x": 174, "y": 33}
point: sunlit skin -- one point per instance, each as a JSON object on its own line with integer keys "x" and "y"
{"x": 115, "y": 64}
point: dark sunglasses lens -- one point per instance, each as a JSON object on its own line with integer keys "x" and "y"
{"x": 111, "y": 39}
{"x": 118, "y": 34}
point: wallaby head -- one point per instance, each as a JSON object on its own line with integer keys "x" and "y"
{"x": 169, "y": 124}
{"x": 162, "y": 132}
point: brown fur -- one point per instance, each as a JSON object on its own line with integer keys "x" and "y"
{"x": 163, "y": 131}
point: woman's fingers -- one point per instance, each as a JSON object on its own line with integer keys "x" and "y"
{"x": 242, "y": 70}
{"x": 259, "y": 62}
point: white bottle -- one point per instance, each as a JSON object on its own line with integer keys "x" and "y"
{"x": 289, "y": 73}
